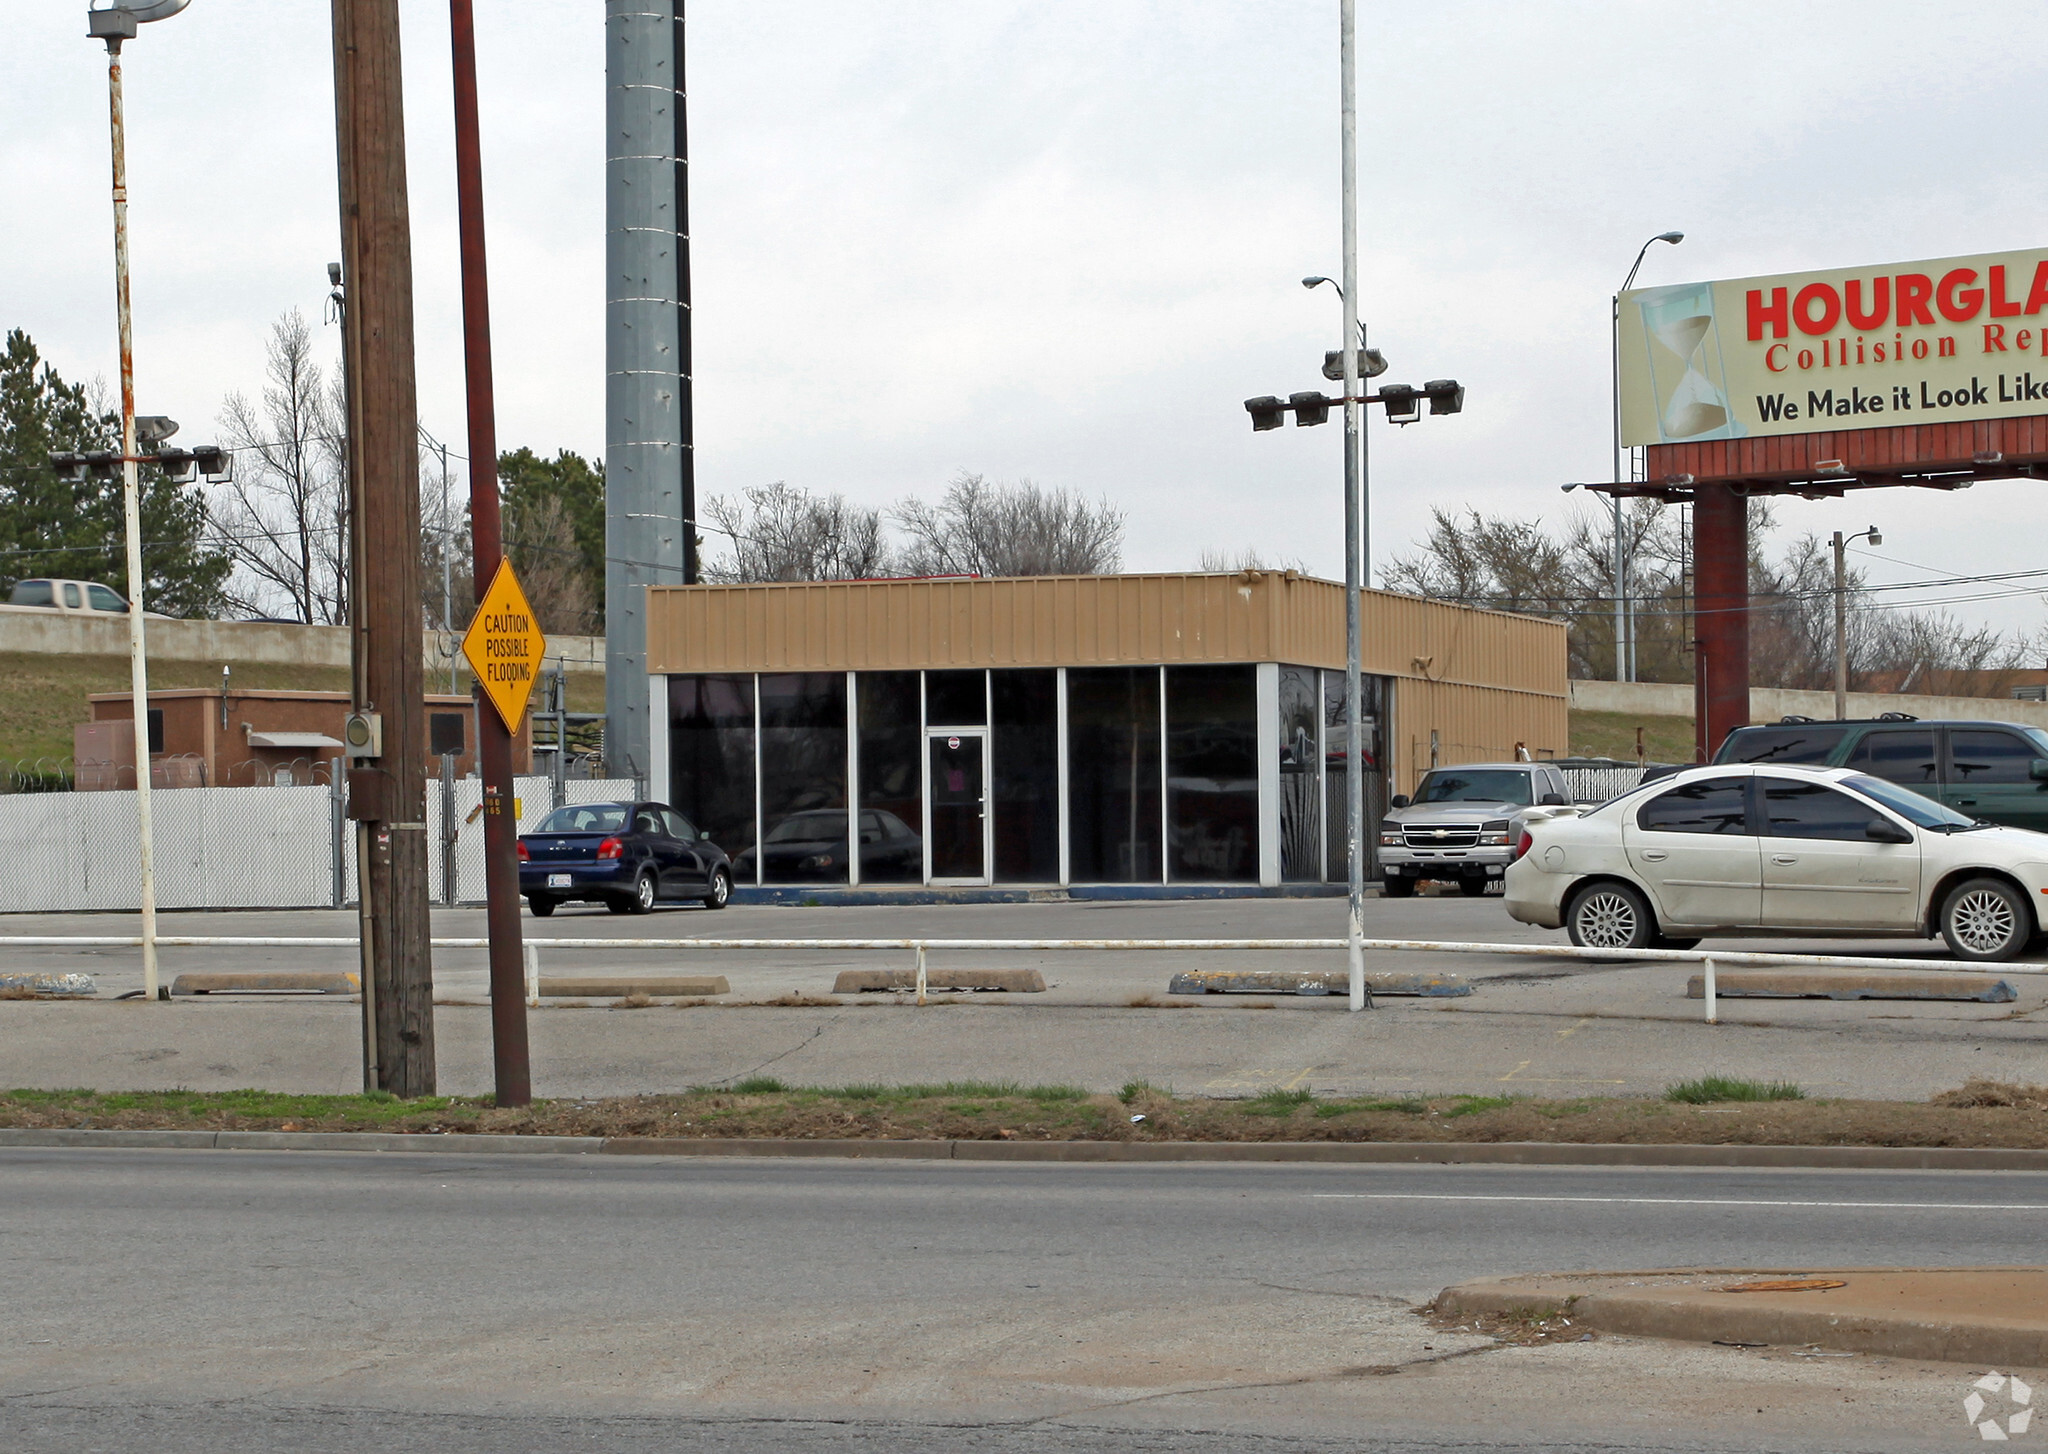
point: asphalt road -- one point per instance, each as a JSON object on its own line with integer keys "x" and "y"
{"x": 223, "y": 1301}
{"x": 1537, "y": 1025}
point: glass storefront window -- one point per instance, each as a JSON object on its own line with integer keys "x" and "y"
{"x": 956, "y": 698}
{"x": 891, "y": 787}
{"x": 1212, "y": 773}
{"x": 1372, "y": 692}
{"x": 803, "y": 778}
{"x": 1026, "y": 778}
{"x": 1301, "y": 776}
{"x": 1113, "y": 774}
{"x": 711, "y": 757}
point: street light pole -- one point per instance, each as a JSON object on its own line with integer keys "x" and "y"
{"x": 1624, "y": 615}
{"x": 1354, "y": 519}
{"x": 114, "y": 26}
{"x": 1841, "y": 544}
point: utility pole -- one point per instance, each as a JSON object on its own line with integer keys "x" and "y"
{"x": 514, "y": 1074}
{"x": 387, "y": 793}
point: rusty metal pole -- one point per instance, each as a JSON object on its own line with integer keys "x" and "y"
{"x": 514, "y": 1073}
{"x": 387, "y": 794}
{"x": 1721, "y": 606}
{"x": 131, "y": 510}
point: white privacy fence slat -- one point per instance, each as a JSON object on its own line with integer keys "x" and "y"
{"x": 234, "y": 848}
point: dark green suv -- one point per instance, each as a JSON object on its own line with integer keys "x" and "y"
{"x": 1997, "y": 771}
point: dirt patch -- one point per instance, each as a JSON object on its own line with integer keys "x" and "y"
{"x": 1996, "y": 1093}
{"x": 1528, "y": 1329}
{"x": 1990, "y": 1116}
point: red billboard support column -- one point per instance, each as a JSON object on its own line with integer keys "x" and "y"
{"x": 1721, "y": 614}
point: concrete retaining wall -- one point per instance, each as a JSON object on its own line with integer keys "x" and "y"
{"x": 28, "y": 629}
{"x": 1768, "y": 704}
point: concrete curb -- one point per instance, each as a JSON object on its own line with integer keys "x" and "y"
{"x": 1892, "y": 1312}
{"x": 1362, "y": 1153}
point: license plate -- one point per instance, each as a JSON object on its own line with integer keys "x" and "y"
{"x": 558, "y": 880}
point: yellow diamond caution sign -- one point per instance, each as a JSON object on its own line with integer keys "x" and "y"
{"x": 505, "y": 645}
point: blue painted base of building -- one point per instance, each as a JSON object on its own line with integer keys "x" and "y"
{"x": 819, "y": 896}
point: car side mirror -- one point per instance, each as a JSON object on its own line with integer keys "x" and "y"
{"x": 2038, "y": 770}
{"x": 1399, "y": 800}
{"x": 1883, "y": 830}
{"x": 1551, "y": 800}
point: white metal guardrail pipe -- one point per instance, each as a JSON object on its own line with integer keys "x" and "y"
{"x": 1708, "y": 960}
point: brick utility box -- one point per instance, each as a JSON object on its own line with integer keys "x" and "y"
{"x": 201, "y": 737}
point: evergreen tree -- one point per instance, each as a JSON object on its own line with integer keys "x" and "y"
{"x": 554, "y": 517}
{"x": 49, "y": 527}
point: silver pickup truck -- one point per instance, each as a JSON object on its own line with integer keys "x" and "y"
{"x": 1460, "y": 825}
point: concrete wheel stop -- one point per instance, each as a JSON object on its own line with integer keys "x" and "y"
{"x": 1313, "y": 982}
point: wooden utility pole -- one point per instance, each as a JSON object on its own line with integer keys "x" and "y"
{"x": 514, "y": 1076}
{"x": 387, "y": 793}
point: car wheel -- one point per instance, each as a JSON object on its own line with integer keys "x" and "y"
{"x": 1665, "y": 941}
{"x": 1472, "y": 888}
{"x": 721, "y": 890}
{"x": 541, "y": 906}
{"x": 1986, "y": 919}
{"x": 643, "y": 893}
{"x": 1609, "y": 916}
{"x": 1398, "y": 888}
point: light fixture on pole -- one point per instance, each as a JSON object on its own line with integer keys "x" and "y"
{"x": 113, "y": 26}
{"x": 1841, "y": 544}
{"x": 1624, "y": 611}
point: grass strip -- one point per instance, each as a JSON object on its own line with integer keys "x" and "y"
{"x": 1982, "y": 1113}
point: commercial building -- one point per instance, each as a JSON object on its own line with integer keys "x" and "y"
{"x": 1154, "y": 730}
{"x": 203, "y": 737}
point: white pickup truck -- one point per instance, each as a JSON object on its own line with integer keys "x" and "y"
{"x": 83, "y": 598}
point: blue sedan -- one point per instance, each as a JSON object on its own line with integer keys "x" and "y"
{"x": 622, "y": 855}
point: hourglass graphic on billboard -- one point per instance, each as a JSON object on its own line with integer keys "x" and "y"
{"x": 1688, "y": 380}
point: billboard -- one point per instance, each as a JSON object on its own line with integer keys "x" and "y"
{"x": 1850, "y": 348}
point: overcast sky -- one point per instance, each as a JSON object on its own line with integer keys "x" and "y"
{"x": 1063, "y": 241}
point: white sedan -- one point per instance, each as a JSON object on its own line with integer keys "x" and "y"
{"x": 1780, "y": 851}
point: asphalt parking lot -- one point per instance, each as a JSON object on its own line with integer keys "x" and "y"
{"x": 1539, "y": 1025}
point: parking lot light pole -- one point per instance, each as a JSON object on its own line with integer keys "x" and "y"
{"x": 1354, "y": 518}
{"x": 114, "y": 26}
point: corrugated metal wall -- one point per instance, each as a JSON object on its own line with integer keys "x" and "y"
{"x": 1483, "y": 680}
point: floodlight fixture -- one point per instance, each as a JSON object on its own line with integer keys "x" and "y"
{"x": 217, "y": 464}
{"x": 1310, "y": 407}
{"x": 1446, "y": 396}
{"x": 1403, "y": 402}
{"x": 151, "y": 429}
{"x": 1268, "y": 411}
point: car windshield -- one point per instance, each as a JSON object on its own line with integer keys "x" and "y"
{"x": 808, "y": 828}
{"x": 1923, "y": 812}
{"x": 586, "y": 818}
{"x": 1458, "y": 785}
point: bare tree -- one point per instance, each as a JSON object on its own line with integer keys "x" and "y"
{"x": 1248, "y": 559}
{"x": 984, "y": 529}
{"x": 779, "y": 533}
{"x": 283, "y": 519}
{"x": 1518, "y": 565}
{"x": 540, "y": 539}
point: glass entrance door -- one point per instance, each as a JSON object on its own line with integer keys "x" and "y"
{"x": 956, "y": 807}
